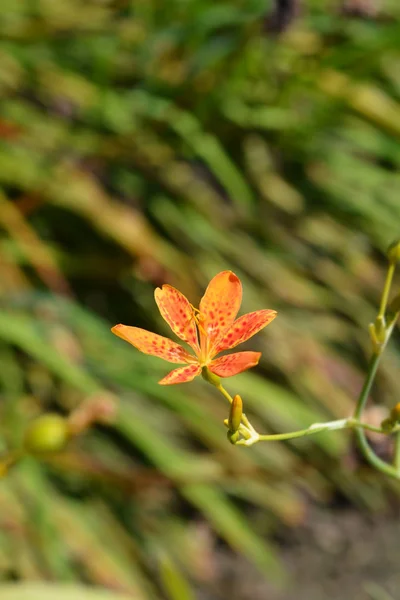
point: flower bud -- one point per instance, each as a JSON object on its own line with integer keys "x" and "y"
{"x": 46, "y": 434}
{"x": 393, "y": 252}
{"x": 392, "y": 420}
{"x": 235, "y": 414}
{"x": 395, "y": 413}
{"x": 387, "y": 425}
{"x": 380, "y": 329}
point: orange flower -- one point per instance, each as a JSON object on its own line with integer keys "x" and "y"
{"x": 209, "y": 330}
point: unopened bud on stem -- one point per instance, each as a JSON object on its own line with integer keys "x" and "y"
{"x": 380, "y": 329}
{"x": 46, "y": 434}
{"x": 393, "y": 419}
{"x": 395, "y": 413}
{"x": 235, "y": 414}
{"x": 393, "y": 252}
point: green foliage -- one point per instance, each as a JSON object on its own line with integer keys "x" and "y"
{"x": 152, "y": 142}
{"x": 47, "y": 591}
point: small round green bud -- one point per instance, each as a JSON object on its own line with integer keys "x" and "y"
{"x": 46, "y": 434}
{"x": 393, "y": 252}
{"x": 388, "y": 424}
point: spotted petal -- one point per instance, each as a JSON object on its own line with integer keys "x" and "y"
{"x": 232, "y": 364}
{"x": 151, "y": 343}
{"x": 219, "y": 305}
{"x": 244, "y": 328}
{"x": 177, "y": 311}
{"x": 181, "y": 375}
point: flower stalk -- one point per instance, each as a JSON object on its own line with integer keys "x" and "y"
{"x": 380, "y": 332}
{"x": 214, "y": 328}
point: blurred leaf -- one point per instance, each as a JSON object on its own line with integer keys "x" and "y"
{"x": 175, "y": 585}
{"x": 48, "y": 591}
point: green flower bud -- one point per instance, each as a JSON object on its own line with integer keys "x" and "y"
{"x": 392, "y": 420}
{"x": 46, "y": 434}
{"x": 393, "y": 252}
{"x": 387, "y": 425}
{"x": 235, "y": 414}
{"x": 395, "y": 413}
{"x": 380, "y": 329}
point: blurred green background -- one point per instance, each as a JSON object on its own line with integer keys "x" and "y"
{"x": 163, "y": 141}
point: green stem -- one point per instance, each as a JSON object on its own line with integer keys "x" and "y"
{"x": 300, "y": 433}
{"x": 396, "y": 457}
{"x": 319, "y": 427}
{"x": 363, "y": 397}
{"x": 224, "y": 392}
{"x": 351, "y": 423}
{"x": 386, "y": 289}
{"x": 367, "y": 426}
{"x": 362, "y": 441}
{"x": 363, "y": 444}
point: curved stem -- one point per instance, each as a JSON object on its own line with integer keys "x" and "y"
{"x": 372, "y": 458}
{"x": 362, "y": 441}
{"x": 351, "y": 423}
{"x": 363, "y": 397}
{"x": 223, "y": 391}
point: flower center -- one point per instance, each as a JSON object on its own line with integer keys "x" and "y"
{"x": 204, "y": 341}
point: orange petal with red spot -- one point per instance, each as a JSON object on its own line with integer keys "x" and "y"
{"x": 176, "y": 310}
{"x": 232, "y": 364}
{"x": 244, "y": 328}
{"x": 220, "y": 304}
{"x": 151, "y": 343}
{"x": 181, "y": 375}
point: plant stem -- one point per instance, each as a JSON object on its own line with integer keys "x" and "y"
{"x": 224, "y": 392}
{"x": 252, "y": 437}
{"x": 386, "y": 289}
{"x": 362, "y": 441}
{"x": 319, "y": 427}
{"x": 363, "y": 397}
{"x": 351, "y": 423}
{"x": 396, "y": 457}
